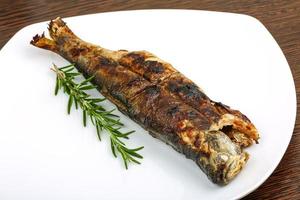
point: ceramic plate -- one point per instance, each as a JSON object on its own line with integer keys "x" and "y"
{"x": 46, "y": 154}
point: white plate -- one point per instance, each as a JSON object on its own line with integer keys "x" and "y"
{"x": 46, "y": 154}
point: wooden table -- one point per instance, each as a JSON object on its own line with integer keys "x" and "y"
{"x": 281, "y": 17}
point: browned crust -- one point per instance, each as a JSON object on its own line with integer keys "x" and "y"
{"x": 163, "y": 74}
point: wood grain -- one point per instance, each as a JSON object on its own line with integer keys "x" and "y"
{"x": 281, "y": 17}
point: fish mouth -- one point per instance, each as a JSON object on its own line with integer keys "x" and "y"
{"x": 226, "y": 158}
{"x": 234, "y": 166}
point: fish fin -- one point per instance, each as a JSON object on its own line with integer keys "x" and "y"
{"x": 42, "y": 42}
{"x": 58, "y": 27}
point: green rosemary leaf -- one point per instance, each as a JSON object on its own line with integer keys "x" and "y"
{"x": 113, "y": 121}
{"x": 132, "y": 153}
{"x": 97, "y": 100}
{"x": 137, "y": 149}
{"x": 86, "y": 81}
{"x": 84, "y": 118}
{"x": 88, "y": 87}
{"x": 74, "y": 74}
{"x": 92, "y": 120}
{"x": 65, "y": 67}
{"x": 98, "y": 131}
{"x": 68, "y": 70}
{"x": 122, "y": 135}
{"x": 117, "y": 140}
{"x": 134, "y": 160}
{"x": 112, "y": 115}
{"x": 76, "y": 103}
{"x": 112, "y": 147}
{"x": 70, "y": 102}
{"x": 128, "y": 133}
{"x": 123, "y": 156}
{"x": 56, "y": 86}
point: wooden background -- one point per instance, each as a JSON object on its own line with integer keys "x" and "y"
{"x": 281, "y": 17}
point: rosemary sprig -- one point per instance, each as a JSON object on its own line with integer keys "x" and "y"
{"x": 100, "y": 118}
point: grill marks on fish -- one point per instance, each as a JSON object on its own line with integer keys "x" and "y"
{"x": 174, "y": 81}
{"x": 120, "y": 83}
{"x": 192, "y": 95}
{"x": 159, "y": 72}
{"x": 153, "y": 67}
{"x": 107, "y": 62}
{"x": 147, "y": 65}
{"x": 157, "y": 111}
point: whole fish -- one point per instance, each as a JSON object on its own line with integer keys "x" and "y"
{"x": 162, "y": 100}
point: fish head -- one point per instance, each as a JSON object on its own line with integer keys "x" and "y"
{"x": 225, "y": 159}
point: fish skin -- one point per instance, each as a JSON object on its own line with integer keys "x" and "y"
{"x": 162, "y": 100}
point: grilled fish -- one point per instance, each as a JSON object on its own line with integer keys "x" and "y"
{"x": 162, "y": 100}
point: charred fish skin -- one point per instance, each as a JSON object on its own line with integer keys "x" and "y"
{"x": 178, "y": 85}
{"x": 163, "y": 101}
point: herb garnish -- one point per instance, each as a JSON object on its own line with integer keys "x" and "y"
{"x": 100, "y": 118}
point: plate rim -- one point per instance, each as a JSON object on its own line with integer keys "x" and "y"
{"x": 291, "y": 77}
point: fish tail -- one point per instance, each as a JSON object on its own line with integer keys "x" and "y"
{"x": 42, "y": 42}
{"x": 60, "y": 34}
{"x": 58, "y": 27}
